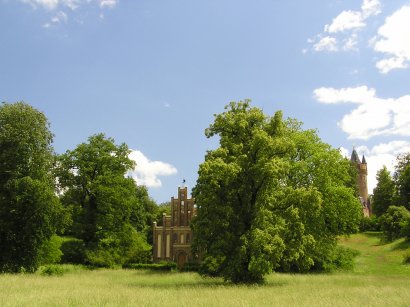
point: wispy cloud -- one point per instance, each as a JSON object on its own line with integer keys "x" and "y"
{"x": 372, "y": 116}
{"x": 147, "y": 172}
{"x": 342, "y": 33}
{"x": 61, "y": 8}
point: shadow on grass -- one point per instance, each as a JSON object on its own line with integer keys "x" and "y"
{"x": 405, "y": 244}
{"x": 171, "y": 281}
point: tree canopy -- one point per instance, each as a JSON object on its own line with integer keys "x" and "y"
{"x": 402, "y": 180}
{"x": 29, "y": 209}
{"x": 384, "y": 193}
{"x": 271, "y": 196}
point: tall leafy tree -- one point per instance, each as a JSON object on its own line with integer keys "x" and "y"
{"x": 383, "y": 194}
{"x": 402, "y": 180}
{"x": 106, "y": 212}
{"x": 29, "y": 210}
{"x": 271, "y": 196}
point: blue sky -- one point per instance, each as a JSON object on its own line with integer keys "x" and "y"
{"x": 151, "y": 73}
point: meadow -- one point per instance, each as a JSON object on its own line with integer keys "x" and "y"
{"x": 379, "y": 279}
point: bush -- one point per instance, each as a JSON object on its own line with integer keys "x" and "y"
{"x": 50, "y": 251}
{"x": 395, "y": 222}
{"x": 340, "y": 258}
{"x": 51, "y": 270}
{"x": 370, "y": 224}
{"x": 73, "y": 251}
{"x": 191, "y": 266}
{"x": 161, "y": 266}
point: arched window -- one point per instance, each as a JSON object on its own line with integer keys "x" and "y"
{"x": 188, "y": 238}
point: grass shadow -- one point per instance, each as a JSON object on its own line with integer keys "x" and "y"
{"x": 405, "y": 244}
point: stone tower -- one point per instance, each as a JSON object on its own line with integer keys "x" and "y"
{"x": 362, "y": 181}
{"x": 172, "y": 240}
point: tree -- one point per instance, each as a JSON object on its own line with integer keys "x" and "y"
{"x": 395, "y": 223}
{"x": 29, "y": 210}
{"x": 271, "y": 196}
{"x": 383, "y": 194}
{"x": 106, "y": 212}
{"x": 402, "y": 180}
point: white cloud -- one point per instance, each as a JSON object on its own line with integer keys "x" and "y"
{"x": 344, "y": 28}
{"x": 147, "y": 172}
{"x": 346, "y": 20}
{"x": 373, "y": 116}
{"x": 380, "y": 155}
{"x": 326, "y": 43}
{"x": 394, "y": 41}
{"x": 59, "y": 17}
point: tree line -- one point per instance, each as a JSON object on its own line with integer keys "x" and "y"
{"x": 79, "y": 202}
{"x": 391, "y": 200}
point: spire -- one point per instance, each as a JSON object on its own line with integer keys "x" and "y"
{"x": 355, "y": 157}
{"x": 364, "y": 160}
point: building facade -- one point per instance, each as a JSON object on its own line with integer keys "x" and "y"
{"x": 362, "y": 182}
{"x": 172, "y": 240}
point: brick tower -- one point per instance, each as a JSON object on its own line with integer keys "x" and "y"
{"x": 362, "y": 181}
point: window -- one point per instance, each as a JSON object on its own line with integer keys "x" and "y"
{"x": 188, "y": 238}
{"x": 175, "y": 238}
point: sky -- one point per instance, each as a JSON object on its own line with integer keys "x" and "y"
{"x": 152, "y": 73}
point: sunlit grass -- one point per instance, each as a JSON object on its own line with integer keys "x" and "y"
{"x": 380, "y": 279}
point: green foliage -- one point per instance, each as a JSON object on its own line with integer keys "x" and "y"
{"x": 371, "y": 223}
{"x": 402, "y": 180}
{"x": 52, "y": 270}
{"x": 161, "y": 266}
{"x": 50, "y": 252}
{"x": 108, "y": 208}
{"x": 383, "y": 194}
{"x": 340, "y": 258}
{"x": 73, "y": 251}
{"x": 395, "y": 223}
{"x": 272, "y": 195}
{"x": 30, "y": 213}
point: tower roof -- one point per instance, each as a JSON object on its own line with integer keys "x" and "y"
{"x": 355, "y": 157}
{"x": 364, "y": 160}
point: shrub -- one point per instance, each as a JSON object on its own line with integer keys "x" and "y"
{"x": 340, "y": 258}
{"x": 370, "y": 224}
{"x": 191, "y": 266}
{"x": 395, "y": 222}
{"x": 161, "y": 266}
{"x": 50, "y": 251}
{"x": 73, "y": 251}
{"x": 51, "y": 270}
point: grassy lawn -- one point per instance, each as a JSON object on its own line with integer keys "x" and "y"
{"x": 379, "y": 279}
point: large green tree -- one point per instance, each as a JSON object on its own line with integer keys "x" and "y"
{"x": 29, "y": 210}
{"x": 402, "y": 180}
{"x": 383, "y": 194}
{"x": 272, "y": 195}
{"x": 107, "y": 213}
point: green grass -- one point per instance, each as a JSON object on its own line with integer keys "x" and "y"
{"x": 379, "y": 279}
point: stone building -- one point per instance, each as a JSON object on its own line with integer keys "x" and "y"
{"x": 362, "y": 182}
{"x": 172, "y": 240}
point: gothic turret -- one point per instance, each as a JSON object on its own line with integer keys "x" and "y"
{"x": 362, "y": 181}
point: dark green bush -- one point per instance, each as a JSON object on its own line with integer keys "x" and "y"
{"x": 161, "y": 266}
{"x": 340, "y": 258}
{"x": 191, "y": 266}
{"x": 73, "y": 251}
